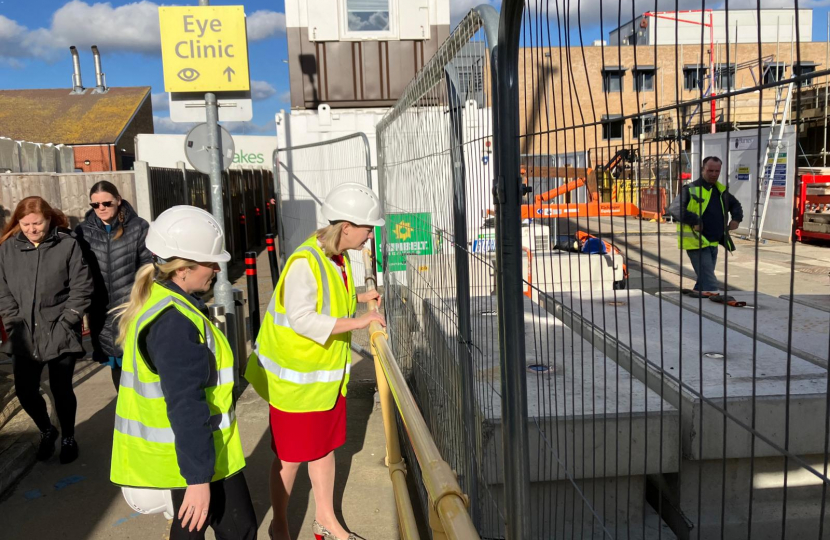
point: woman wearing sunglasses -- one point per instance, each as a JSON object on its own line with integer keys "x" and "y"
{"x": 112, "y": 236}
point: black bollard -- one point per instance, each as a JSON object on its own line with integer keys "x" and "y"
{"x": 253, "y": 293}
{"x": 272, "y": 259}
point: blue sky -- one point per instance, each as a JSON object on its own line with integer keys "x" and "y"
{"x": 35, "y": 36}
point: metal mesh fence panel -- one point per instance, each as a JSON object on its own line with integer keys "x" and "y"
{"x": 674, "y": 389}
{"x": 307, "y": 173}
{"x": 434, "y": 161}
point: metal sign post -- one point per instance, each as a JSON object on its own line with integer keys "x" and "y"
{"x": 206, "y": 50}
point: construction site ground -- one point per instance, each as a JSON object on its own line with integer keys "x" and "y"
{"x": 79, "y": 499}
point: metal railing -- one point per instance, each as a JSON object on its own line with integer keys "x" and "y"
{"x": 447, "y": 509}
{"x": 247, "y": 192}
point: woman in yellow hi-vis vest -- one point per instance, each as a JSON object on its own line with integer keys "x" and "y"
{"x": 302, "y": 355}
{"x": 176, "y": 448}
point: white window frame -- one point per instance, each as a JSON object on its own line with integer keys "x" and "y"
{"x": 381, "y": 35}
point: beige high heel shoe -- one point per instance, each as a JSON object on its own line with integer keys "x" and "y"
{"x": 321, "y": 533}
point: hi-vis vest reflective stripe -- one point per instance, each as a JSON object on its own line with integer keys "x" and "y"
{"x": 294, "y": 373}
{"x": 688, "y": 238}
{"x": 143, "y": 446}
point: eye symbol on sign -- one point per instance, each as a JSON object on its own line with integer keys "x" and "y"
{"x": 188, "y": 74}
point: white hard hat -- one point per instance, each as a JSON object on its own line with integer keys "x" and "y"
{"x": 149, "y": 501}
{"x": 354, "y": 203}
{"x": 189, "y": 233}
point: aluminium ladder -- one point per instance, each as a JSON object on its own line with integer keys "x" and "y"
{"x": 774, "y": 144}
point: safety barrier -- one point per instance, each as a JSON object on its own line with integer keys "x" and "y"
{"x": 447, "y": 508}
{"x": 590, "y": 409}
{"x": 652, "y": 202}
{"x": 247, "y": 192}
{"x": 305, "y": 174}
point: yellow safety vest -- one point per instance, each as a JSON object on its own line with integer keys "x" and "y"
{"x": 687, "y": 237}
{"x": 292, "y": 372}
{"x": 144, "y": 445}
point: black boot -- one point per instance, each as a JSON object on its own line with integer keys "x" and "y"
{"x": 69, "y": 450}
{"x": 47, "y": 443}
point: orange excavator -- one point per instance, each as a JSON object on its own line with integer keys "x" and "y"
{"x": 581, "y": 177}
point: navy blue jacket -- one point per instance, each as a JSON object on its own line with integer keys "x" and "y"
{"x": 175, "y": 351}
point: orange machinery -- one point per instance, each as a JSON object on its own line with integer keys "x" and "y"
{"x": 581, "y": 177}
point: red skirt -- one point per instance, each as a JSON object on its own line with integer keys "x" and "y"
{"x": 299, "y": 437}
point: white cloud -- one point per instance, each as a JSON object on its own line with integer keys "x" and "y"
{"x": 164, "y": 125}
{"x": 261, "y": 90}
{"x": 263, "y": 24}
{"x": 132, "y": 28}
{"x": 161, "y": 101}
{"x": 285, "y": 97}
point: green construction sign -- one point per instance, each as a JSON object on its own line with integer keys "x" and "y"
{"x": 408, "y": 234}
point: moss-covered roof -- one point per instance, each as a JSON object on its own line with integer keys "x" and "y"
{"x": 59, "y": 117}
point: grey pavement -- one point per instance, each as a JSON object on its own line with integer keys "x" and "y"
{"x": 77, "y": 501}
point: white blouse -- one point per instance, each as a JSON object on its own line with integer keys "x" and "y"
{"x": 300, "y": 294}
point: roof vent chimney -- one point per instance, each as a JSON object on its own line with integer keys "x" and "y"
{"x": 100, "y": 80}
{"x": 77, "y": 85}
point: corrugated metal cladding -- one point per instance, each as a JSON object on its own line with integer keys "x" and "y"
{"x": 355, "y": 73}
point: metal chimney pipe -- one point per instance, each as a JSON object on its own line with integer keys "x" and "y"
{"x": 99, "y": 75}
{"x": 77, "y": 85}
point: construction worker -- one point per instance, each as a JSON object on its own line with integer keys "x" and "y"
{"x": 701, "y": 212}
{"x": 302, "y": 355}
{"x": 175, "y": 426}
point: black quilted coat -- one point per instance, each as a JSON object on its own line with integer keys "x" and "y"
{"x": 113, "y": 264}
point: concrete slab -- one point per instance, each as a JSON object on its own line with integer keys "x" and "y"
{"x": 815, "y": 301}
{"x": 665, "y": 346}
{"x": 587, "y": 415}
{"x": 721, "y": 500}
{"x": 770, "y": 315}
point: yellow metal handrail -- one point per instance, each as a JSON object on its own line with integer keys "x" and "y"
{"x": 448, "y": 515}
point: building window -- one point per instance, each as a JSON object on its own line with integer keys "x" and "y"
{"x": 644, "y": 80}
{"x": 774, "y": 73}
{"x": 612, "y": 128}
{"x": 693, "y": 78}
{"x": 644, "y": 126}
{"x": 368, "y": 15}
{"x": 612, "y": 80}
{"x": 725, "y": 76}
{"x": 804, "y": 69}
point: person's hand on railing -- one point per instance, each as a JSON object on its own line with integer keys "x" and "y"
{"x": 368, "y": 296}
{"x": 369, "y": 317}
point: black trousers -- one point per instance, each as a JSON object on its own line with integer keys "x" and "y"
{"x": 231, "y": 513}
{"x": 27, "y": 374}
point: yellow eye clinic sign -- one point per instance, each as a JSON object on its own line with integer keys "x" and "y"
{"x": 204, "y": 48}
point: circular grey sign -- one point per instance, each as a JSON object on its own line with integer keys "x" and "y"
{"x": 197, "y": 149}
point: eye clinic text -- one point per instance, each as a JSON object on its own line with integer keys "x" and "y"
{"x": 194, "y": 48}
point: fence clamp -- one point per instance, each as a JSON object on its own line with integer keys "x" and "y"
{"x": 498, "y": 190}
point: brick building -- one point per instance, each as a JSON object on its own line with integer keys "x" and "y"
{"x": 99, "y": 126}
{"x": 599, "y": 98}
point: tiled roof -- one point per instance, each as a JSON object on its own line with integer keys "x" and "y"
{"x": 56, "y": 116}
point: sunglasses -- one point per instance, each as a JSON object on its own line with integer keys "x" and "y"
{"x": 105, "y": 204}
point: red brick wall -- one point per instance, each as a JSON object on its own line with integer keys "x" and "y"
{"x": 99, "y": 157}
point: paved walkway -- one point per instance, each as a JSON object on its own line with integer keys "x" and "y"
{"x": 77, "y": 501}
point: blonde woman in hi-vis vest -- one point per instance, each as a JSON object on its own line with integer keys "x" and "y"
{"x": 302, "y": 355}
{"x": 176, "y": 446}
